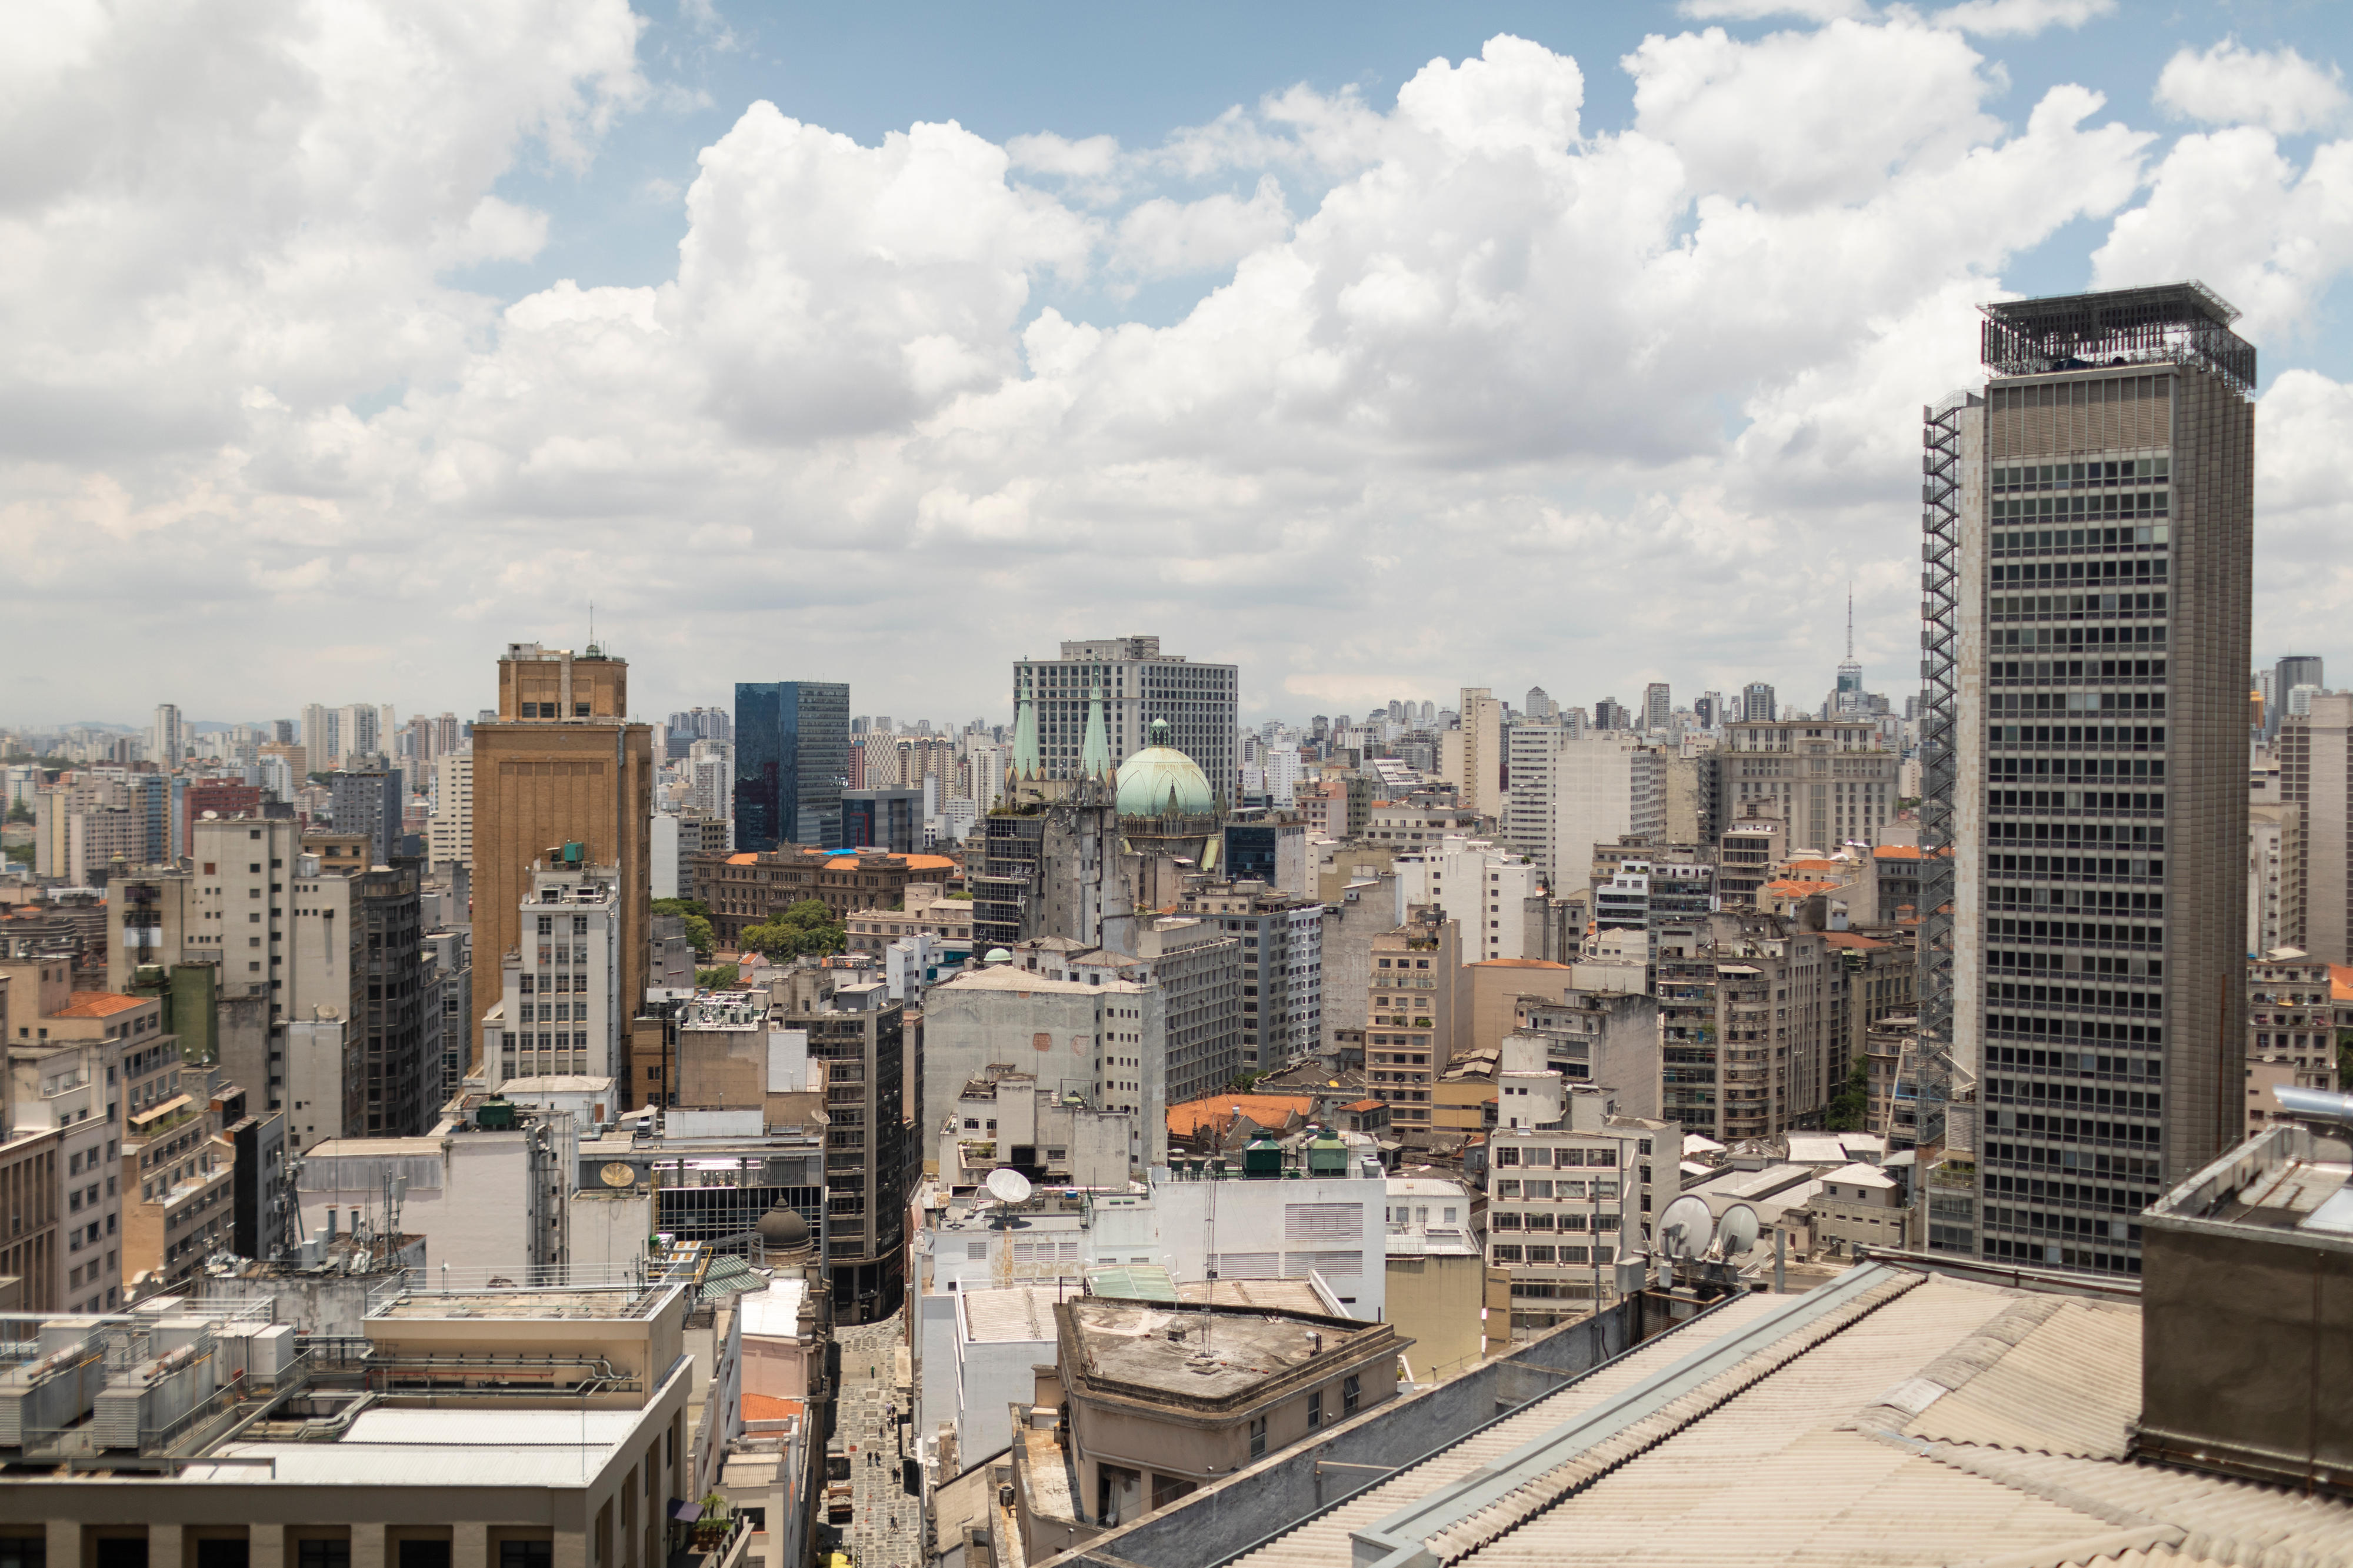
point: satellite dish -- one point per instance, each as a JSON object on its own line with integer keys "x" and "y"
{"x": 1735, "y": 1233}
{"x": 1007, "y": 1185}
{"x": 1686, "y": 1228}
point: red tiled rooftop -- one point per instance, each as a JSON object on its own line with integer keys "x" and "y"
{"x": 98, "y": 1004}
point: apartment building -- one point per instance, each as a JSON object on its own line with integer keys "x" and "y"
{"x": 1414, "y": 998}
{"x": 1281, "y": 938}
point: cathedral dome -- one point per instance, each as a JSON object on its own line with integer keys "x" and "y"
{"x": 1161, "y": 780}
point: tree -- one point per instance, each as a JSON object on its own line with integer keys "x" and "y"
{"x": 717, "y": 978}
{"x": 806, "y": 928}
{"x": 22, "y": 853}
{"x": 1848, "y": 1105}
{"x": 697, "y": 916}
{"x": 19, "y": 812}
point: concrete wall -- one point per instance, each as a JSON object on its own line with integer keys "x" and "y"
{"x": 1219, "y": 1522}
{"x": 1434, "y": 1302}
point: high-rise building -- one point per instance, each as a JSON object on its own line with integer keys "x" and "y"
{"x": 2315, "y": 758}
{"x": 1709, "y": 709}
{"x": 358, "y": 732}
{"x": 561, "y": 763}
{"x": 792, "y": 763}
{"x": 1610, "y": 714}
{"x": 2089, "y": 545}
{"x": 2297, "y": 669}
{"x": 1658, "y": 707}
{"x": 167, "y": 738}
{"x": 559, "y": 1008}
{"x": 449, "y": 835}
{"x": 1757, "y": 704}
{"x": 1538, "y": 705}
{"x": 1575, "y": 793}
{"x": 1471, "y": 757}
{"x": 1140, "y": 684}
{"x": 368, "y": 803}
{"x": 319, "y": 740}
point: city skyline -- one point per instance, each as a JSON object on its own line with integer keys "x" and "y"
{"x": 1761, "y": 304}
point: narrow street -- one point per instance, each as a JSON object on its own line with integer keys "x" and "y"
{"x": 887, "y": 1529}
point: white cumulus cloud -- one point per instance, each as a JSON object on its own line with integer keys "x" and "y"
{"x": 2229, "y": 84}
{"x": 1476, "y": 387}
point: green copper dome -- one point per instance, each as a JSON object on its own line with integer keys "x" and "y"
{"x": 1161, "y": 780}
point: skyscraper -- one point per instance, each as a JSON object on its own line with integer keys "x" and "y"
{"x": 2297, "y": 669}
{"x": 1658, "y": 707}
{"x": 1757, "y": 704}
{"x": 561, "y": 764}
{"x": 2089, "y": 545}
{"x": 167, "y": 739}
{"x": 792, "y": 763}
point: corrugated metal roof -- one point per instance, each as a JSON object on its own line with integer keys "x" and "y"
{"x": 2070, "y": 1384}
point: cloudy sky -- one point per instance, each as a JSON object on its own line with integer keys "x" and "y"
{"x": 1378, "y": 348}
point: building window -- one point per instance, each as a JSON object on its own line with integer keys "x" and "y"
{"x": 1351, "y": 1394}
{"x": 1315, "y": 1410}
{"x": 521, "y": 1554}
{"x": 326, "y": 1554}
{"x": 1257, "y": 1438}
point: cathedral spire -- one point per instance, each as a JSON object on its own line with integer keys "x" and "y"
{"x": 1025, "y": 733}
{"x": 1094, "y": 752}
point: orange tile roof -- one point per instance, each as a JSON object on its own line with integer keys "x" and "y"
{"x": 1363, "y": 1105}
{"x": 1793, "y": 888}
{"x": 1815, "y": 865}
{"x": 2340, "y": 982}
{"x": 929, "y": 862}
{"x": 1897, "y": 852}
{"x": 1851, "y": 940}
{"x": 770, "y": 1407}
{"x": 99, "y": 1005}
{"x": 746, "y": 859}
{"x": 1215, "y": 1112}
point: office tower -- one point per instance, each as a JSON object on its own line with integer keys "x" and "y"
{"x": 1608, "y": 714}
{"x": 1756, "y": 702}
{"x": 167, "y": 738}
{"x": 2088, "y": 531}
{"x": 2315, "y": 758}
{"x": 368, "y": 803}
{"x": 1140, "y": 684}
{"x": 792, "y": 762}
{"x": 1538, "y": 705}
{"x": 1711, "y": 709}
{"x": 2297, "y": 669}
{"x": 560, "y": 763}
{"x": 1847, "y": 697}
{"x": 1658, "y": 707}
{"x": 1833, "y": 784}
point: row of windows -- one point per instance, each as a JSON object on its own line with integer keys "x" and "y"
{"x": 2056, "y": 474}
{"x": 2047, "y": 605}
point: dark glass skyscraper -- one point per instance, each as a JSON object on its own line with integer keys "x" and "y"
{"x": 792, "y": 760}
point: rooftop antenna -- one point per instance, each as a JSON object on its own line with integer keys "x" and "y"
{"x": 1850, "y": 620}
